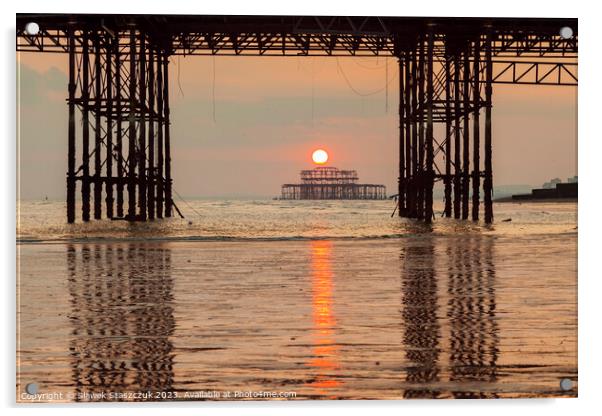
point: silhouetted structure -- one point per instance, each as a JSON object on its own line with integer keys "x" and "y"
{"x": 559, "y": 191}
{"x": 326, "y": 182}
{"x": 118, "y": 80}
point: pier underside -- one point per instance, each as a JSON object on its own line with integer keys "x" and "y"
{"x": 118, "y": 94}
{"x": 120, "y": 91}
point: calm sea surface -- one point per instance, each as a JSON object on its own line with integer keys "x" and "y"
{"x": 297, "y": 300}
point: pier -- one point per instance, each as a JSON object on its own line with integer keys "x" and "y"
{"x": 328, "y": 182}
{"x": 118, "y": 115}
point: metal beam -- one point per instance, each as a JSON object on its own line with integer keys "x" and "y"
{"x": 71, "y": 133}
{"x": 109, "y": 121}
{"x": 428, "y": 199}
{"x": 132, "y": 151}
{"x": 476, "y": 131}
{"x": 488, "y": 182}
{"x": 142, "y": 129}
{"x": 97, "y": 128}
{"x": 448, "y": 138}
{"x": 85, "y": 86}
{"x": 465, "y": 136}
{"x": 168, "y": 181}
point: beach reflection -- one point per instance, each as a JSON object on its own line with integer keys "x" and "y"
{"x": 122, "y": 318}
{"x": 421, "y": 325}
{"x": 474, "y": 337}
{"x": 325, "y": 349}
{"x": 459, "y": 323}
{"x": 464, "y": 316}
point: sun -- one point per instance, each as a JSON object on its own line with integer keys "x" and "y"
{"x": 319, "y": 157}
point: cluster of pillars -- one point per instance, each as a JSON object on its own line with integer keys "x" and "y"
{"x": 451, "y": 96}
{"x": 118, "y": 82}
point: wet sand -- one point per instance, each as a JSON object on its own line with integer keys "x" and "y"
{"x": 422, "y": 317}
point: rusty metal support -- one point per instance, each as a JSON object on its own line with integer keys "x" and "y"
{"x": 429, "y": 169}
{"x": 97, "y": 128}
{"x": 168, "y": 181}
{"x": 415, "y": 168}
{"x": 131, "y": 183}
{"x": 120, "y": 88}
{"x": 151, "y": 135}
{"x": 448, "y": 127}
{"x": 142, "y": 130}
{"x": 118, "y": 124}
{"x": 466, "y": 138}
{"x": 457, "y": 160}
{"x": 71, "y": 133}
{"x": 86, "y": 129}
{"x": 476, "y": 150}
{"x": 488, "y": 181}
{"x": 109, "y": 137}
{"x": 160, "y": 129}
{"x": 421, "y": 133}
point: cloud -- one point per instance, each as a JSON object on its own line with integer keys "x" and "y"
{"x": 35, "y": 85}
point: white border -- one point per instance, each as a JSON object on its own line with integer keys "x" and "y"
{"x": 590, "y": 152}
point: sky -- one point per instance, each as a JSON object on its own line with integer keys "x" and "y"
{"x": 242, "y": 126}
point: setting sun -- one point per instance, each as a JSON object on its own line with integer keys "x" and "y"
{"x": 320, "y": 157}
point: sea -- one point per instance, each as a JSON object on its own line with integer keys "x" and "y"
{"x": 296, "y": 300}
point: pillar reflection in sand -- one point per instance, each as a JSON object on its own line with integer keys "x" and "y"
{"x": 325, "y": 349}
{"x": 122, "y": 318}
{"x": 421, "y": 326}
{"x": 450, "y": 335}
{"x": 474, "y": 337}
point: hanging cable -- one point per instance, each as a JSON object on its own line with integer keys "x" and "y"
{"x": 179, "y": 84}
{"x": 187, "y": 204}
{"x": 357, "y": 61}
{"x": 351, "y": 87}
{"x": 301, "y": 66}
{"x": 386, "y": 86}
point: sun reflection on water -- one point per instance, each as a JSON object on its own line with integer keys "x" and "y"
{"x": 325, "y": 351}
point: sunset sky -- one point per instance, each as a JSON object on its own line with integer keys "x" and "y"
{"x": 271, "y": 113}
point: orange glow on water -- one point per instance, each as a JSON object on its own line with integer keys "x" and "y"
{"x": 325, "y": 348}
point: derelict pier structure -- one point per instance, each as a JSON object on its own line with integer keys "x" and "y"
{"x": 118, "y": 94}
{"x": 327, "y": 182}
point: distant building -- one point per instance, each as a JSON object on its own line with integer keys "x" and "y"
{"x": 331, "y": 183}
{"x": 551, "y": 184}
{"x": 559, "y": 191}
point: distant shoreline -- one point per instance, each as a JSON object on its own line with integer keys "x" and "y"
{"x": 523, "y": 201}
